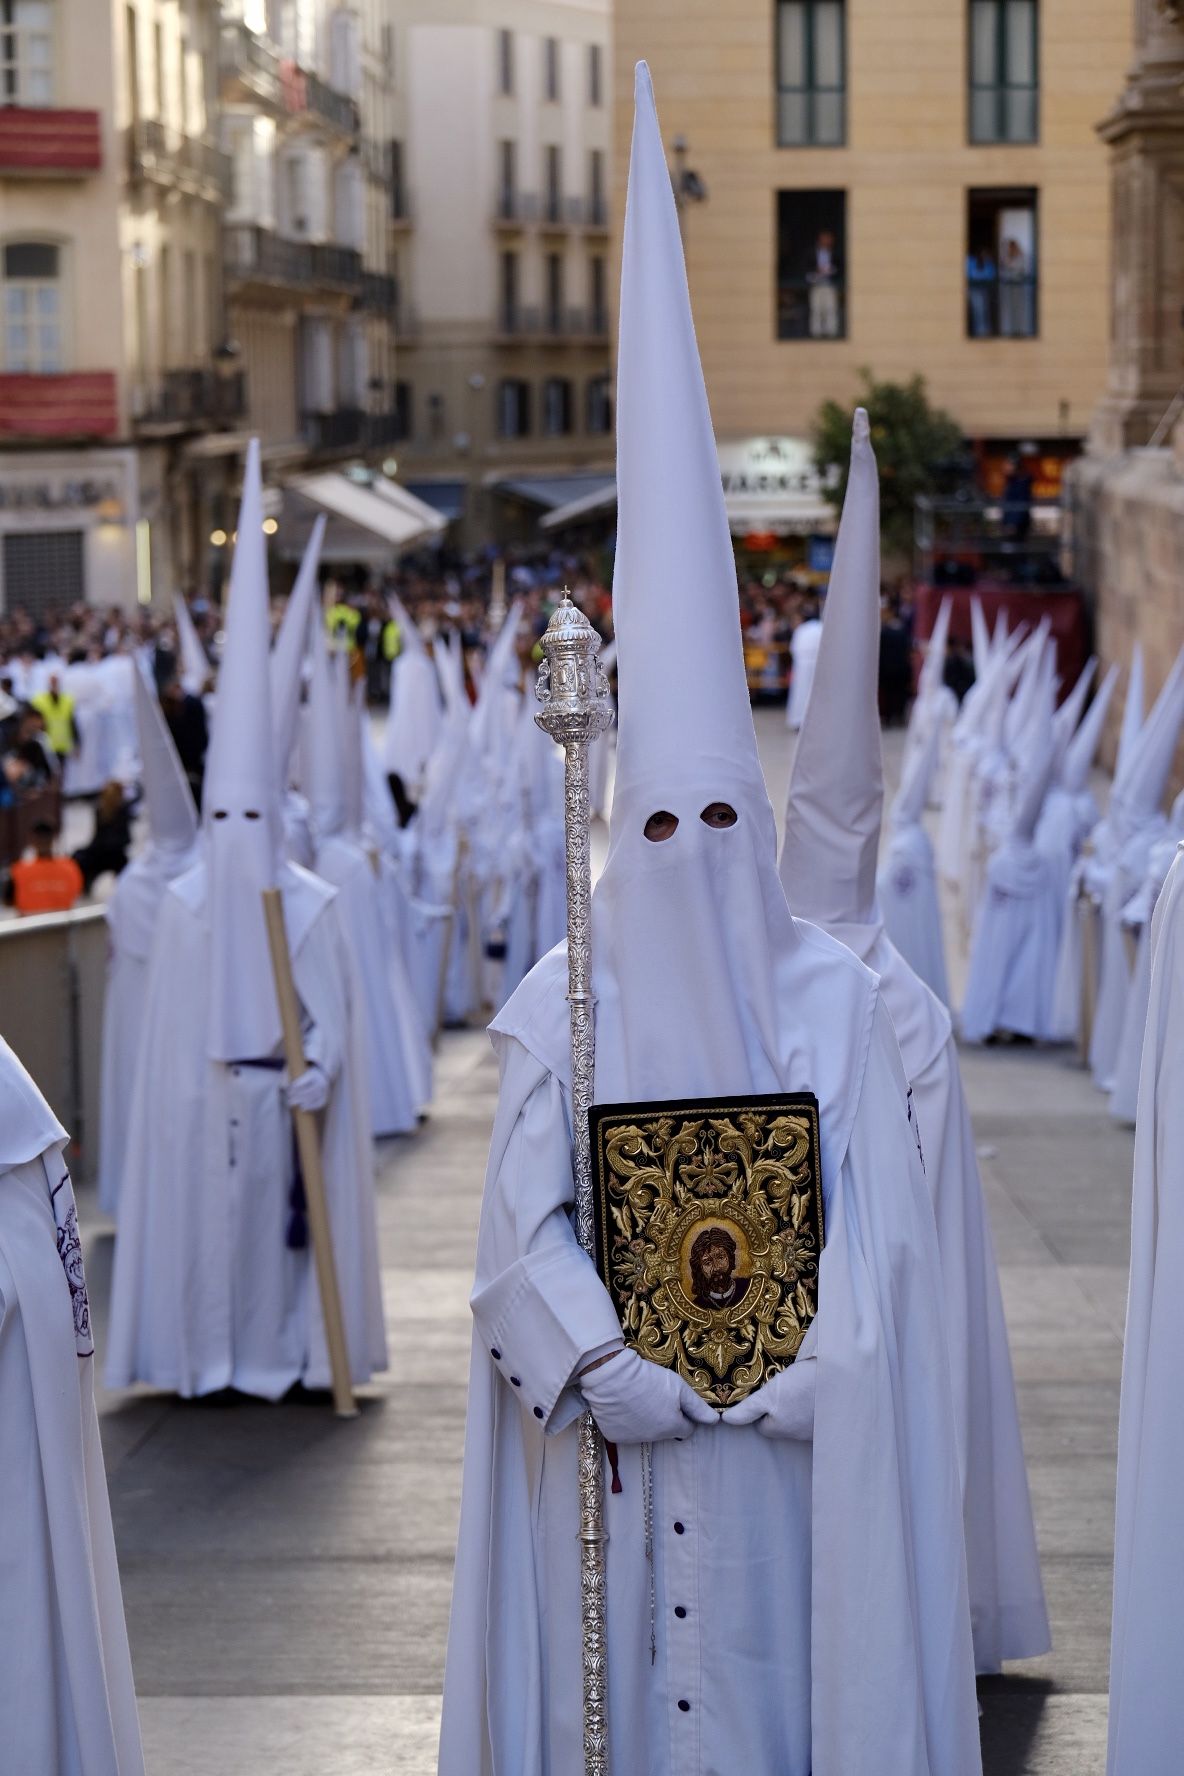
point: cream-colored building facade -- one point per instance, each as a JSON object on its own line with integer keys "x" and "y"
{"x": 500, "y": 233}
{"x": 918, "y": 135}
{"x": 112, "y": 184}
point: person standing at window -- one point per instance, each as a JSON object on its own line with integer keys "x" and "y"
{"x": 1015, "y": 291}
{"x": 980, "y": 287}
{"x": 823, "y": 281}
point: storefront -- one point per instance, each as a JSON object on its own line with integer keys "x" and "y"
{"x": 71, "y": 530}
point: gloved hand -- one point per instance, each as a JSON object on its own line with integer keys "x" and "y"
{"x": 310, "y": 1091}
{"x": 635, "y": 1401}
{"x": 784, "y": 1407}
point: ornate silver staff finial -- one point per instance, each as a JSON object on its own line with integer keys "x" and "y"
{"x": 573, "y": 691}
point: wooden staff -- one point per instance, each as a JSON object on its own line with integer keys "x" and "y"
{"x": 309, "y": 1147}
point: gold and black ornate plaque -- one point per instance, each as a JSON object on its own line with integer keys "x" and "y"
{"x": 709, "y": 1229}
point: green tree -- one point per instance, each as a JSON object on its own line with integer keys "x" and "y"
{"x": 914, "y": 442}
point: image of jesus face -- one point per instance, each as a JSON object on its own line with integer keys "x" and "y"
{"x": 714, "y": 1283}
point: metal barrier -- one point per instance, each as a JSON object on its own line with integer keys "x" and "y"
{"x": 53, "y": 971}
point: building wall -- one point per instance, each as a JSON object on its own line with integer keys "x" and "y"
{"x": 455, "y": 350}
{"x": 906, "y": 169}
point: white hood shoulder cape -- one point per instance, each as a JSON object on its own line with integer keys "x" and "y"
{"x": 67, "y": 1701}
{"x": 823, "y": 1629}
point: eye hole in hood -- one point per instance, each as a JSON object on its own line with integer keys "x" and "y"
{"x": 719, "y": 814}
{"x": 660, "y": 825}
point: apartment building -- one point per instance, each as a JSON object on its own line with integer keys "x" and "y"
{"x": 112, "y": 386}
{"x": 499, "y": 227}
{"x": 908, "y": 185}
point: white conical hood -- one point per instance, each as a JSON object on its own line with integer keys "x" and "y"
{"x": 999, "y": 636}
{"x": 1039, "y": 762}
{"x": 836, "y": 786}
{"x": 913, "y": 793}
{"x": 288, "y": 654}
{"x": 193, "y": 666}
{"x": 415, "y": 715}
{"x": 980, "y": 640}
{"x": 1132, "y": 715}
{"x": 1082, "y": 748}
{"x": 324, "y": 773}
{"x": 672, "y": 527}
{"x": 168, "y": 799}
{"x": 490, "y": 729}
{"x": 1069, "y": 714}
{"x": 1146, "y": 778}
{"x": 1028, "y": 688}
{"x": 933, "y": 667}
{"x": 244, "y": 831}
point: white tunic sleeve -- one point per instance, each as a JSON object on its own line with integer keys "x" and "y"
{"x": 539, "y": 1306}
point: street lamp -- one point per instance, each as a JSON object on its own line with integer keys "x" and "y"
{"x": 689, "y": 186}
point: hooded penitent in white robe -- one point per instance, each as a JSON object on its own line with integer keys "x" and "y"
{"x": 824, "y": 1626}
{"x": 804, "y": 651}
{"x": 1137, "y": 822}
{"x": 1146, "y": 1696}
{"x": 906, "y": 886}
{"x": 1136, "y": 923}
{"x": 131, "y": 921}
{"x": 1070, "y": 810}
{"x": 395, "y": 1041}
{"x": 213, "y": 1284}
{"x": 288, "y": 657}
{"x": 193, "y": 662}
{"x": 415, "y": 714}
{"x": 828, "y": 869}
{"x": 67, "y": 1700}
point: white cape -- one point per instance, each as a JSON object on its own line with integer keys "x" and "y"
{"x": 207, "y": 1293}
{"x": 67, "y": 1700}
{"x": 865, "y": 1673}
{"x": 1013, "y": 954}
{"x": 1146, "y": 1695}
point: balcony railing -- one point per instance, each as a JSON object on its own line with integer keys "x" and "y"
{"x": 306, "y": 94}
{"x": 37, "y": 141}
{"x": 552, "y": 323}
{"x": 249, "y": 62}
{"x": 164, "y": 155}
{"x": 378, "y": 292}
{"x": 516, "y": 208}
{"x": 349, "y": 428}
{"x": 254, "y": 253}
{"x": 194, "y": 398}
{"x": 81, "y": 404}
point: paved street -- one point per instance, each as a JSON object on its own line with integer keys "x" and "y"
{"x": 287, "y": 1576}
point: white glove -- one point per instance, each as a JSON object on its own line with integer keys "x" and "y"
{"x": 784, "y": 1407}
{"x": 635, "y": 1401}
{"x": 310, "y": 1091}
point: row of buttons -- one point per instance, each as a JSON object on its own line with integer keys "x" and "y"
{"x": 516, "y": 1381}
{"x": 680, "y": 1612}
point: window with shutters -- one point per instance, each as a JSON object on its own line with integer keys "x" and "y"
{"x": 507, "y": 195}
{"x": 554, "y": 282}
{"x": 505, "y": 61}
{"x": 811, "y": 74}
{"x": 598, "y": 405}
{"x": 1004, "y": 71}
{"x": 32, "y": 332}
{"x": 43, "y": 570}
{"x": 597, "y": 209}
{"x": 513, "y": 408}
{"x": 26, "y": 52}
{"x": 403, "y": 411}
{"x": 345, "y": 59}
{"x": 553, "y": 183}
{"x": 551, "y": 69}
{"x": 597, "y": 288}
{"x": 509, "y": 313}
{"x": 557, "y": 405}
{"x": 595, "y": 75}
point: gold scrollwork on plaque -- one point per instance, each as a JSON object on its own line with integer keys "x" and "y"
{"x": 709, "y": 1225}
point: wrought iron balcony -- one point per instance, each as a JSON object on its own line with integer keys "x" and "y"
{"x": 258, "y": 255}
{"x": 346, "y": 429}
{"x": 514, "y": 209}
{"x": 166, "y": 157}
{"x": 307, "y": 95}
{"x": 249, "y": 65}
{"x": 194, "y": 400}
{"x": 40, "y": 141}
{"x": 378, "y": 292}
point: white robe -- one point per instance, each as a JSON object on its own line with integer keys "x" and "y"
{"x": 1136, "y": 921}
{"x": 397, "y": 1050}
{"x": 826, "y": 1626}
{"x": 207, "y": 1293}
{"x": 804, "y": 646}
{"x": 1013, "y": 953}
{"x": 67, "y": 1700}
{"x": 906, "y": 888}
{"x": 1146, "y": 1695}
{"x": 1007, "y": 1608}
{"x": 1114, "y": 969}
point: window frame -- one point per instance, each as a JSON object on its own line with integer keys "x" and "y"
{"x": 34, "y": 364}
{"x": 1016, "y": 197}
{"x": 552, "y": 77}
{"x": 841, "y": 229}
{"x": 598, "y": 394}
{"x": 521, "y": 387}
{"x": 810, "y": 90}
{"x": 12, "y": 94}
{"x": 595, "y": 76}
{"x": 1002, "y": 87}
{"x": 505, "y": 62}
{"x": 558, "y": 388}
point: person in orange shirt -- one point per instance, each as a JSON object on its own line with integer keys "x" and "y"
{"x": 44, "y": 883}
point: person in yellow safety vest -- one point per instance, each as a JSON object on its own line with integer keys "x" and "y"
{"x": 392, "y": 641}
{"x": 341, "y": 620}
{"x": 56, "y": 709}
